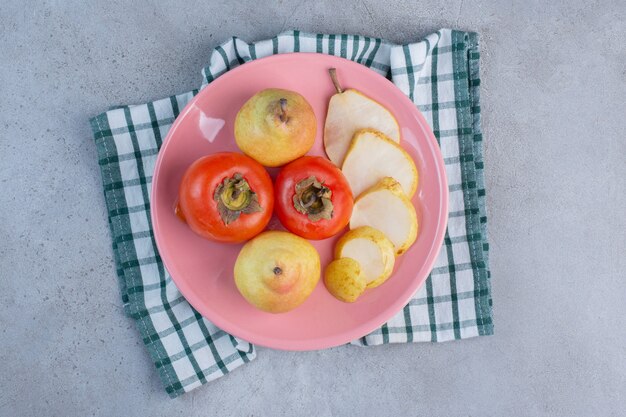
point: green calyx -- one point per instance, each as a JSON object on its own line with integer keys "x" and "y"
{"x": 313, "y": 199}
{"x": 234, "y": 196}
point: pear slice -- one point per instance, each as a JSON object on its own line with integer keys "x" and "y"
{"x": 385, "y": 207}
{"x": 348, "y": 111}
{"x": 371, "y": 157}
{"x": 344, "y": 279}
{"x": 372, "y": 250}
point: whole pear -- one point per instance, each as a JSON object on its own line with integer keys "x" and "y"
{"x": 275, "y": 127}
{"x": 276, "y": 271}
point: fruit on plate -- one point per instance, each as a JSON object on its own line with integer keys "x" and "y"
{"x": 344, "y": 279}
{"x": 275, "y": 127}
{"x": 372, "y": 250}
{"x": 348, "y": 111}
{"x": 276, "y": 271}
{"x": 372, "y": 156}
{"x": 227, "y": 197}
{"x": 385, "y": 207}
{"x": 313, "y": 198}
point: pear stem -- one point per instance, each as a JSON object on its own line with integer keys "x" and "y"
{"x": 333, "y": 77}
{"x": 283, "y": 109}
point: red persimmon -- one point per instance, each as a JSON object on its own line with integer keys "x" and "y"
{"x": 313, "y": 198}
{"x": 227, "y": 197}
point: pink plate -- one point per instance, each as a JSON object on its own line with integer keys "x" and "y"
{"x": 203, "y": 270}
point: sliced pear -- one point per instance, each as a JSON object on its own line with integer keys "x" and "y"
{"x": 348, "y": 111}
{"x": 372, "y": 250}
{"x": 385, "y": 207}
{"x": 344, "y": 279}
{"x": 372, "y": 156}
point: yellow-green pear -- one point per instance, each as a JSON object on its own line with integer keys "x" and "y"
{"x": 276, "y": 271}
{"x": 344, "y": 279}
{"x": 275, "y": 127}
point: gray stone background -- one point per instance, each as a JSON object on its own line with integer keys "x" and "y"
{"x": 553, "y": 105}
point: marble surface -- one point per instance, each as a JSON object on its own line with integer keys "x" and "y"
{"x": 553, "y": 94}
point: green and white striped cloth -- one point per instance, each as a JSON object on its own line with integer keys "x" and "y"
{"x": 439, "y": 73}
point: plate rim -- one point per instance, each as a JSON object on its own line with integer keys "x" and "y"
{"x": 362, "y": 329}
